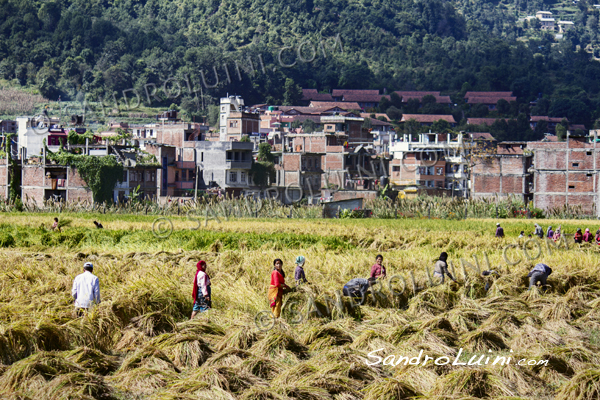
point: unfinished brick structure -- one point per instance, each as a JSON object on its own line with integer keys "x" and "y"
{"x": 566, "y": 173}
{"x": 504, "y": 172}
{"x": 43, "y": 182}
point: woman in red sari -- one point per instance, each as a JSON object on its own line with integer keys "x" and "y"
{"x": 277, "y": 287}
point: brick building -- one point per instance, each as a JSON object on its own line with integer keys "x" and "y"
{"x": 41, "y": 182}
{"x": 503, "y": 171}
{"x": 566, "y": 173}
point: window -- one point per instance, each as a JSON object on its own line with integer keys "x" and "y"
{"x": 124, "y": 176}
{"x": 231, "y": 124}
{"x": 310, "y": 163}
{"x": 183, "y": 175}
{"x": 589, "y": 153}
{"x": 396, "y": 168}
{"x": 317, "y": 163}
{"x": 588, "y": 174}
{"x": 202, "y": 156}
{"x": 571, "y": 187}
{"x": 575, "y": 165}
{"x": 440, "y": 171}
{"x": 242, "y": 177}
{"x": 233, "y": 176}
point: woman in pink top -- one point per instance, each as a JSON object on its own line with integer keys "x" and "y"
{"x": 378, "y": 270}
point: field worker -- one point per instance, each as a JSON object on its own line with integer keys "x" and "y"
{"x": 358, "y": 288}
{"x": 378, "y": 270}
{"x": 522, "y": 234}
{"x": 550, "y": 233}
{"x": 299, "y": 273}
{"x": 98, "y": 225}
{"x": 201, "y": 291}
{"x": 277, "y": 287}
{"x": 587, "y": 236}
{"x": 539, "y": 273}
{"x": 86, "y": 289}
{"x": 441, "y": 268}
{"x": 598, "y": 237}
{"x": 499, "y": 231}
{"x": 55, "y": 225}
{"x": 539, "y": 232}
{"x": 578, "y": 236}
{"x": 556, "y": 235}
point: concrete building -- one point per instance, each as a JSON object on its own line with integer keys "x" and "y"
{"x": 298, "y": 173}
{"x": 234, "y": 122}
{"x": 32, "y": 131}
{"x": 431, "y": 160}
{"x": 225, "y": 164}
{"x": 546, "y": 20}
{"x": 503, "y": 171}
{"x": 566, "y": 173}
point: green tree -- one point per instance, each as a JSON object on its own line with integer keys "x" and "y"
{"x": 293, "y": 93}
{"x": 264, "y": 153}
{"x": 394, "y": 113}
{"x": 503, "y": 107}
{"x": 384, "y": 104}
{"x": 213, "y": 115}
{"x": 441, "y": 126}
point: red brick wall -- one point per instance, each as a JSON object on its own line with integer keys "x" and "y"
{"x": 30, "y": 194}
{"x": 75, "y": 179}
{"x": 354, "y": 194}
{"x": 33, "y": 176}
{"x": 79, "y": 194}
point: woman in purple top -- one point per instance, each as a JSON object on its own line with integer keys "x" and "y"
{"x": 299, "y": 273}
{"x": 499, "y": 231}
{"x": 378, "y": 270}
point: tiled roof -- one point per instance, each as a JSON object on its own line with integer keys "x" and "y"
{"x": 438, "y": 99}
{"x": 482, "y": 121}
{"x": 487, "y": 94}
{"x": 482, "y": 136}
{"x": 427, "y": 118}
{"x": 537, "y": 118}
{"x": 364, "y": 97}
{"x": 312, "y": 94}
{"x": 332, "y": 104}
{"x": 377, "y": 115}
{"x": 402, "y": 93}
{"x": 489, "y": 100}
{"x": 343, "y": 92}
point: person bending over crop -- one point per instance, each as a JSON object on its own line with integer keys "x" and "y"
{"x": 578, "y": 237}
{"x": 86, "y": 289}
{"x": 539, "y": 273}
{"x": 539, "y": 232}
{"x": 587, "y": 236}
{"x": 277, "y": 287}
{"x": 441, "y": 268}
{"x": 378, "y": 270}
{"x": 299, "y": 273}
{"x": 201, "y": 292}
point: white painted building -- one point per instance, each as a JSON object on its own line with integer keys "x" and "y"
{"x": 228, "y": 104}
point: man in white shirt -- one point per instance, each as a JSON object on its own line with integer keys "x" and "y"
{"x": 86, "y": 289}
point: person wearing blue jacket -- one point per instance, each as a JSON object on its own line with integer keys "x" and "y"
{"x": 539, "y": 273}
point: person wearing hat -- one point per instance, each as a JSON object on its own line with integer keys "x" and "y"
{"x": 440, "y": 268}
{"x": 201, "y": 292}
{"x": 86, "y": 289}
{"x": 499, "y": 231}
{"x": 299, "y": 273}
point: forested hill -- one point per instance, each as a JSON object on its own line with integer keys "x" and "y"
{"x": 94, "y": 48}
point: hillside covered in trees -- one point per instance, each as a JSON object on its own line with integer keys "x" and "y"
{"x": 92, "y": 49}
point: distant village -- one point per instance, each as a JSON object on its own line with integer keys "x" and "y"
{"x": 325, "y": 149}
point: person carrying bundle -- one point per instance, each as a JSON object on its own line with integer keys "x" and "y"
{"x": 440, "y": 269}
{"x": 540, "y": 274}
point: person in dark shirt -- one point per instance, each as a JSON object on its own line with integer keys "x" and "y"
{"x": 299, "y": 273}
{"x": 499, "y": 231}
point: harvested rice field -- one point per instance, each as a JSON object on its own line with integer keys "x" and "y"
{"x": 482, "y": 337}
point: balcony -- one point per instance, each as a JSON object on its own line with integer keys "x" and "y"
{"x": 184, "y": 185}
{"x": 229, "y": 164}
{"x": 185, "y": 164}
